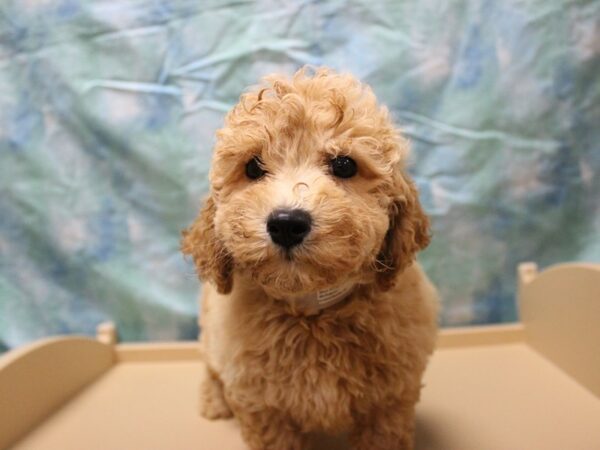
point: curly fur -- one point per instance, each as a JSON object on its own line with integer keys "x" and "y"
{"x": 356, "y": 366}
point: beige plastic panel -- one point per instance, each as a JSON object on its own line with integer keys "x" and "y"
{"x": 137, "y": 406}
{"x": 560, "y": 309}
{"x": 503, "y": 397}
{"x": 158, "y": 351}
{"x": 480, "y": 336}
{"x": 36, "y": 380}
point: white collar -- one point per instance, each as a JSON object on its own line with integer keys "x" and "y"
{"x": 315, "y": 302}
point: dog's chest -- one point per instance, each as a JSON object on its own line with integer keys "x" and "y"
{"x": 316, "y": 371}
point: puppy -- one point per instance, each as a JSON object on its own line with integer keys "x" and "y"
{"x": 315, "y": 315}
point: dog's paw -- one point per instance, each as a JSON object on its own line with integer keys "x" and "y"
{"x": 213, "y": 409}
{"x": 212, "y": 403}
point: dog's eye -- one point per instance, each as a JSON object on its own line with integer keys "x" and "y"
{"x": 253, "y": 169}
{"x": 343, "y": 167}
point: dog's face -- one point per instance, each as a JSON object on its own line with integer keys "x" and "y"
{"x": 308, "y": 191}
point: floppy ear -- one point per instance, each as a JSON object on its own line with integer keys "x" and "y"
{"x": 213, "y": 261}
{"x": 408, "y": 233}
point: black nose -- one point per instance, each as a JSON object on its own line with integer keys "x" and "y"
{"x": 288, "y": 227}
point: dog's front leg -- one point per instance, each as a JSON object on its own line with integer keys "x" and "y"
{"x": 390, "y": 427}
{"x": 269, "y": 429}
{"x": 212, "y": 403}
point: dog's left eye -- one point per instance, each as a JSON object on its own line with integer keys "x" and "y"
{"x": 343, "y": 167}
{"x": 254, "y": 169}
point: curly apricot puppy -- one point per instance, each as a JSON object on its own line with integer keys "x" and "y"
{"x": 315, "y": 315}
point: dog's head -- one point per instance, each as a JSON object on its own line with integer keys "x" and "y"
{"x": 308, "y": 191}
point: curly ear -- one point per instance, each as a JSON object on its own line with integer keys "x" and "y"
{"x": 408, "y": 233}
{"x": 213, "y": 262}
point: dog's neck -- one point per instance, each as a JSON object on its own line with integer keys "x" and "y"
{"x": 309, "y": 304}
{"x": 315, "y": 302}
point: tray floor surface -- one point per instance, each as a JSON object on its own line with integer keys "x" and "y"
{"x": 504, "y": 397}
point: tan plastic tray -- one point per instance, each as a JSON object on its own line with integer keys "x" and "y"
{"x": 534, "y": 385}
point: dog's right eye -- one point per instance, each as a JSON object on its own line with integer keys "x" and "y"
{"x": 253, "y": 169}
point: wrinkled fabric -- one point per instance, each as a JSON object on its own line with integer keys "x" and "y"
{"x": 107, "y": 119}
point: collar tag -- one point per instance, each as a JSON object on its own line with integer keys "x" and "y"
{"x": 313, "y": 303}
{"x": 331, "y": 296}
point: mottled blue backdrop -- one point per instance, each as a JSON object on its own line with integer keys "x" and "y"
{"x": 108, "y": 111}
